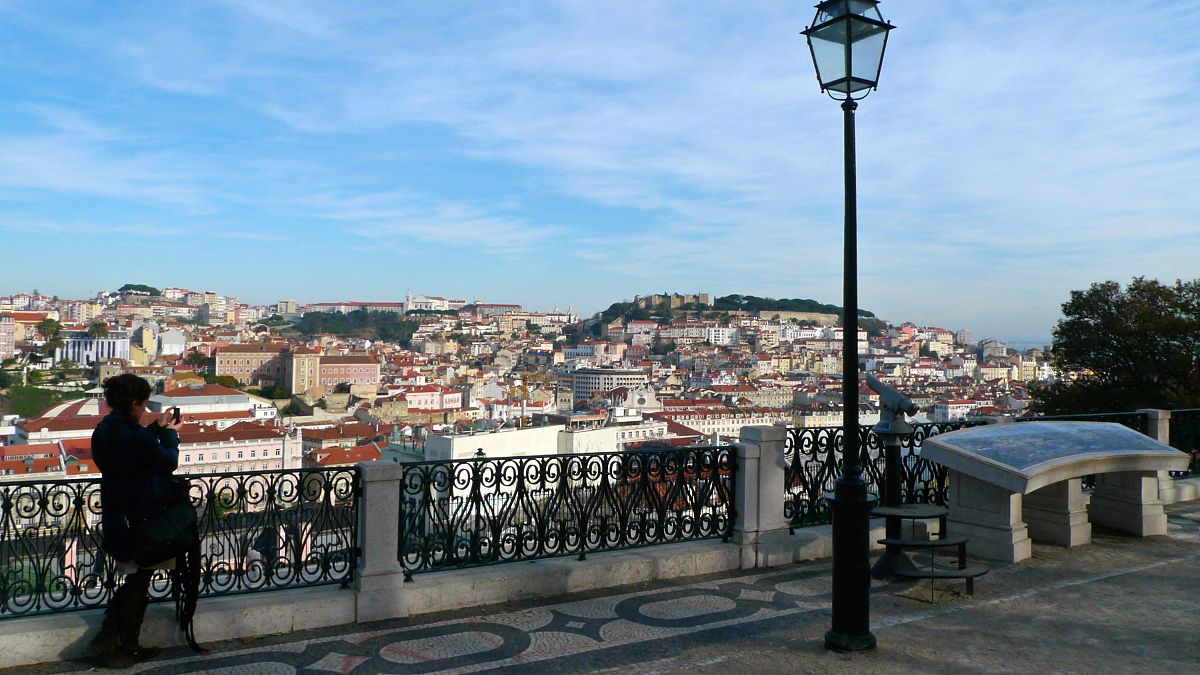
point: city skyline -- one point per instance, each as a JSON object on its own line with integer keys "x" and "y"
{"x": 566, "y": 154}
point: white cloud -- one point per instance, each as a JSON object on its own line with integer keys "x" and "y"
{"x": 1017, "y": 149}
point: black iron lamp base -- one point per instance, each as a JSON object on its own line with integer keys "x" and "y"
{"x": 885, "y": 568}
{"x": 851, "y": 506}
{"x": 842, "y": 642}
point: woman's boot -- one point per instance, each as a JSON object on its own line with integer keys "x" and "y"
{"x": 105, "y": 647}
{"x": 131, "y": 628}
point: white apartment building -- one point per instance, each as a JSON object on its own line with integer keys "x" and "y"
{"x": 8, "y": 332}
{"x": 242, "y": 447}
{"x": 952, "y": 410}
{"x": 723, "y": 336}
{"x": 587, "y": 381}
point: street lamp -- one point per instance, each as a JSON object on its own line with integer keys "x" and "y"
{"x": 847, "y": 39}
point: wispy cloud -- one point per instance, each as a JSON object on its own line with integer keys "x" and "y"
{"x": 1016, "y": 150}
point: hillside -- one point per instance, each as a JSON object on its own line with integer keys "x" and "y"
{"x": 386, "y": 326}
{"x": 729, "y": 303}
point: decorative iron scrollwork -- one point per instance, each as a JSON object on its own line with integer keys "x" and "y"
{"x": 259, "y": 531}
{"x": 483, "y": 511}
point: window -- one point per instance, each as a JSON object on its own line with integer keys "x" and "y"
{"x": 201, "y": 457}
{"x": 239, "y": 454}
{"x": 187, "y": 458}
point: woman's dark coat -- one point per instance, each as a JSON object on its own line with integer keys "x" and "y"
{"x": 132, "y": 459}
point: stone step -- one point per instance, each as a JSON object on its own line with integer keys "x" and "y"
{"x": 968, "y": 573}
{"x": 911, "y": 511}
{"x": 925, "y": 543}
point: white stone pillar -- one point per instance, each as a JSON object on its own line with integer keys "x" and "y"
{"x": 760, "y": 527}
{"x": 1128, "y": 501}
{"x": 379, "y": 579}
{"x": 745, "y": 493}
{"x": 1057, "y": 514}
{"x": 1160, "y": 430}
{"x": 990, "y": 517}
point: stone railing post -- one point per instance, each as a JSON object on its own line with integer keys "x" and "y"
{"x": 1159, "y": 428}
{"x": 379, "y": 578}
{"x": 760, "y": 527}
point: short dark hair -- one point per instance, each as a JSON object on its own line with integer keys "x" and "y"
{"x": 121, "y": 391}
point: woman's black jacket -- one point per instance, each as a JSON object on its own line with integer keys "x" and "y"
{"x": 133, "y": 460}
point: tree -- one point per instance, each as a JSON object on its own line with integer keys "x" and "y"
{"x": 52, "y": 345}
{"x": 6, "y": 379}
{"x": 1137, "y": 347}
{"x": 197, "y": 360}
{"x": 49, "y": 328}
{"x": 98, "y": 330}
{"x": 139, "y": 289}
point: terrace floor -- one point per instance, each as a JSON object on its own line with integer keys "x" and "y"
{"x": 1120, "y": 605}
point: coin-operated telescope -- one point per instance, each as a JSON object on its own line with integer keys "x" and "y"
{"x": 893, "y": 408}
{"x": 893, "y": 425}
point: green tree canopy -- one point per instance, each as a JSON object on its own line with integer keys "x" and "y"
{"x": 1137, "y": 347}
{"x": 97, "y": 330}
{"x": 386, "y": 326}
{"x": 49, "y": 328}
{"x": 197, "y": 359}
{"x": 139, "y": 288}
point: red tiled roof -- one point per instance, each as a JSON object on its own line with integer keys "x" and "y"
{"x": 16, "y": 452}
{"x": 692, "y": 403}
{"x": 21, "y": 467}
{"x": 205, "y": 390}
{"x": 338, "y": 455}
{"x": 55, "y": 424}
{"x": 349, "y": 359}
{"x": 242, "y": 431}
{"x": 254, "y": 348}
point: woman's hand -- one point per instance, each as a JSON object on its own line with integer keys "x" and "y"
{"x": 167, "y": 421}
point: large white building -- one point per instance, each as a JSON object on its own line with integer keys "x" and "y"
{"x": 85, "y": 350}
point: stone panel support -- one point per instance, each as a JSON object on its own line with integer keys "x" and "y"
{"x": 1057, "y": 514}
{"x": 990, "y": 517}
{"x": 1128, "y": 501}
{"x": 760, "y": 527}
{"x": 1160, "y": 430}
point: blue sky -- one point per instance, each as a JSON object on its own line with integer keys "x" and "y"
{"x": 556, "y": 153}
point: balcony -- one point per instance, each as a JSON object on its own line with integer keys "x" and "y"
{"x": 292, "y": 550}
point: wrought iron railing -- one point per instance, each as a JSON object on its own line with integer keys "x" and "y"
{"x": 1185, "y": 436}
{"x": 259, "y": 531}
{"x": 813, "y": 457}
{"x": 472, "y": 512}
{"x": 1138, "y": 421}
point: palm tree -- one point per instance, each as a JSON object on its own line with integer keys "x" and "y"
{"x": 97, "y": 330}
{"x": 52, "y": 345}
{"x": 49, "y": 327}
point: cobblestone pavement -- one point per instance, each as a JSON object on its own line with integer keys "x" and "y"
{"x": 1121, "y": 604}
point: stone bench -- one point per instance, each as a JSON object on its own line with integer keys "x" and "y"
{"x": 1013, "y": 482}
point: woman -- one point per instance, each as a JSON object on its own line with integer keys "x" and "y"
{"x": 132, "y": 460}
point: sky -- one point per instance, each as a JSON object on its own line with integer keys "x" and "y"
{"x": 562, "y": 154}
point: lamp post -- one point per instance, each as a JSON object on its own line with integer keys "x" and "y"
{"x": 847, "y": 39}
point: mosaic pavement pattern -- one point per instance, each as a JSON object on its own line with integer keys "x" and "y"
{"x": 534, "y": 634}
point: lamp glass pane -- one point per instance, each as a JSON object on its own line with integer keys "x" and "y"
{"x": 829, "y": 53}
{"x": 829, "y": 10}
{"x": 867, "y": 50}
{"x": 865, "y": 8}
